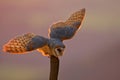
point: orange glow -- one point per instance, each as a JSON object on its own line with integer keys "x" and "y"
{"x": 7, "y": 48}
{"x": 44, "y": 50}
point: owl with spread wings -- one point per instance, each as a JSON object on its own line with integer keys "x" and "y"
{"x": 47, "y": 46}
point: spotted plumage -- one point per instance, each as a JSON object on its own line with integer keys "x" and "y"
{"x": 53, "y": 46}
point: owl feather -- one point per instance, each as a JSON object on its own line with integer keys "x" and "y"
{"x": 24, "y": 43}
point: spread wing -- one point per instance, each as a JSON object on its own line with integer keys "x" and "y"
{"x": 66, "y": 30}
{"x": 24, "y": 43}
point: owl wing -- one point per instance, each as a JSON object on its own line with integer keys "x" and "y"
{"x": 24, "y": 43}
{"x": 66, "y": 30}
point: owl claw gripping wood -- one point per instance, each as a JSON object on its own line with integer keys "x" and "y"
{"x": 53, "y": 46}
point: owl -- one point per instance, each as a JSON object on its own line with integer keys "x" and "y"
{"x": 53, "y": 45}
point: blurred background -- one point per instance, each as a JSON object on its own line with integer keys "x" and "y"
{"x": 92, "y": 54}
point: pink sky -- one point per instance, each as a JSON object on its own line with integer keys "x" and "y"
{"x": 93, "y": 54}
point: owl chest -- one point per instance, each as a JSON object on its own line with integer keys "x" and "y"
{"x": 46, "y": 51}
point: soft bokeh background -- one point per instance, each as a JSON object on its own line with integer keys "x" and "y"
{"x": 93, "y": 54}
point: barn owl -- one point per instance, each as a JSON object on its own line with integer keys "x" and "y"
{"x": 47, "y": 46}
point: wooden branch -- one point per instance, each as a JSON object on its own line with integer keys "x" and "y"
{"x": 54, "y": 68}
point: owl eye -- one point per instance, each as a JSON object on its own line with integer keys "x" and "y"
{"x": 59, "y": 51}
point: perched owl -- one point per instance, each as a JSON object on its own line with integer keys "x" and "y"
{"x": 54, "y": 45}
